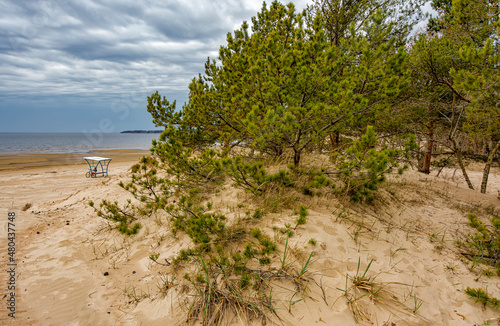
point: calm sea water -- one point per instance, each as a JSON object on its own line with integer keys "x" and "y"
{"x": 79, "y": 143}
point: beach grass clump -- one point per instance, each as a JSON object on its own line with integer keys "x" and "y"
{"x": 303, "y": 213}
{"x": 258, "y": 214}
{"x": 286, "y": 229}
{"x": 125, "y": 217}
{"x": 364, "y": 285}
{"x": 165, "y": 283}
{"x": 482, "y": 296}
{"x": 483, "y": 245}
{"x": 135, "y": 295}
{"x": 232, "y": 286}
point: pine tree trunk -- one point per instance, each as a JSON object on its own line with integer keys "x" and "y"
{"x": 334, "y": 140}
{"x": 296, "y": 158}
{"x": 426, "y": 166}
{"x": 297, "y": 149}
{"x": 487, "y": 167}
{"x": 458, "y": 153}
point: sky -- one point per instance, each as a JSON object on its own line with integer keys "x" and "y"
{"x": 89, "y": 65}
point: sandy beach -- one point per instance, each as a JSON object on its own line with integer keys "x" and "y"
{"x": 33, "y": 161}
{"x": 72, "y": 270}
{"x": 52, "y": 233}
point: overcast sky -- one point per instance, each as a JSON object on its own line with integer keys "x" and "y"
{"x": 75, "y": 66}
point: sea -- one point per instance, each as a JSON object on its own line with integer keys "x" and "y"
{"x": 76, "y": 143}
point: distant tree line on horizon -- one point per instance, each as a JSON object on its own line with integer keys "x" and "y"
{"x": 141, "y": 132}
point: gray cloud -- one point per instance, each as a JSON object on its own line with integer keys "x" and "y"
{"x": 109, "y": 53}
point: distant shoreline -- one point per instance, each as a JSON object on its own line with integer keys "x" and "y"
{"x": 141, "y": 132}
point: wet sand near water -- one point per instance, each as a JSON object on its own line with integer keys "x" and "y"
{"x": 30, "y": 161}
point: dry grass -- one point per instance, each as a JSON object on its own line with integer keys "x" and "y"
{"x": 222, "y": 299}
{"x": 361, "y": 290}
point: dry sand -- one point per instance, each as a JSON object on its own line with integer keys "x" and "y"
{"x": 63, "y": 251}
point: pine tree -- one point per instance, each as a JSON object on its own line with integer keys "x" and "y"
{"x": 436, "y": 105}
{"x": 276, "y": 91}
{"x": 284, "y": 88}
{"x": 345, "y": 19}
{"x": 480, "y": 79}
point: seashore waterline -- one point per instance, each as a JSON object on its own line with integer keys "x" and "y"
{"x": 27, "y": 150}
{"x": 71, "y": 143}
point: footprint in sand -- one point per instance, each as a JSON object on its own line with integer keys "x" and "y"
{"x": 341, "y": 249}
{"x": 330, "y": 230}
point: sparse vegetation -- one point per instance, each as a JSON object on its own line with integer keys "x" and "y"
{"x": 135, "y": 295}
{"x": 165, "y": 284}
{"x": 364, "y": 286}
{"x": 302, "y": 216}
{"x": 484, "y": 245}
{"x": 482, "y": 296}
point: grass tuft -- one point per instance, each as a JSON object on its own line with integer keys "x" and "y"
{"x": 482, "y": 296}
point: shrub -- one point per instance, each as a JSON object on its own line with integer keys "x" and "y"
{"x": 125, "y": 217}
{"x": 482, "y": 296}
{"x": 484, "y": 244}
{"x": 364, "y": 167}
{"x": 302, "y": 216}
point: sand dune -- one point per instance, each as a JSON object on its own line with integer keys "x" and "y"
{"x": 72, "y": 270}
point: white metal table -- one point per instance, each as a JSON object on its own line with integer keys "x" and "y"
{"x": 97, "y": 166}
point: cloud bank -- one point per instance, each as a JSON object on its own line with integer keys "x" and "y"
{"x": 98, "y": 55}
